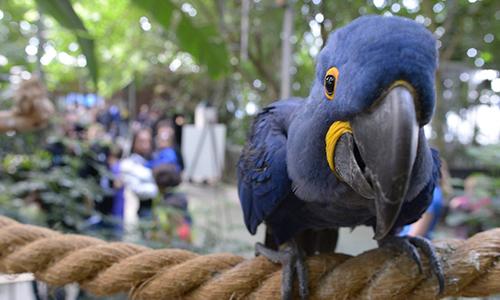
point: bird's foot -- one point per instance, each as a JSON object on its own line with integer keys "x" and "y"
{"x": 292, "y": 259}
{"x": 409, "y": 244}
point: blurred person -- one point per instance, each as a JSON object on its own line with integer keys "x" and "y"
{"x": 56, "y": 148}
{"x": 136, "y": 171}
{"x": 179, "y": 121}
{"x": 472, "y": 200}
{"x": 84, "y": 115}
{"x": 143, "y": 115}
{"x": 96, "y": 133}
{"x": 167, "y": 177}
{"x": 111, "y": 206}
{"x": 474, "y": 204}
{"x": 165, "y": 147}
{"x": 117, "y": 210}
{"x": 142, "y": 119}
{"x": 167, "y": 174}
{"x": 155, "y": 115}
{"x": 115, "y": 120}
{"x": 102, "y": 116}
{"x": 80, "y": 131}
{"x": 425, "y": 226}
{"x": 168, "y": 138}
{"x": 68, "y": 124}
{"x": 125, "y": 118}
{"x": 94, "y": 160}
{"x": 104, "y": 205}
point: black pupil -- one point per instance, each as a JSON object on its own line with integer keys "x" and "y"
{"x": 329, "y": 84}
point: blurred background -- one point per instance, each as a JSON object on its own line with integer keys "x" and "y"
{"x": 147, "y": 104}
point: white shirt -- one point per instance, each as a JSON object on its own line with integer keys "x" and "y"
{"x": 137, "y": 177}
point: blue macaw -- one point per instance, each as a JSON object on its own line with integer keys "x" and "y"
{"x": 352, "y": 153}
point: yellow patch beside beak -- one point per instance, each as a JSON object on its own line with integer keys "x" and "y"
{"x": 336, "y": 130}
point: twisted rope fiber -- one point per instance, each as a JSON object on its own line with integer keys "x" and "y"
{"x": 471, "y": 268}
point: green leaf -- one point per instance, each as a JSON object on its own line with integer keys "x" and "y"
{"x": 202, "y": 42}
{"x": 487, "y": 56}
{"x": 204, "y": 45}
{"x": 88, "y": 49}
{"x": 161, "y": 11}
{"x": 65, "y": 15}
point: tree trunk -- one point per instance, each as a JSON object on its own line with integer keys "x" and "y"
{"x": 221, "y": 10}
{"x": 41, "y": 41}
{"x": 286, "y": 51}
{"x": 439, "y": 118}
{"x": 132, "y": 100}
{"x": 245, "y": 10}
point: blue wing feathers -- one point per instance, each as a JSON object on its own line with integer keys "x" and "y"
{"x": 263, "y": 181}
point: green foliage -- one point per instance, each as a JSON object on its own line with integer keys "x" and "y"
{"x": 486, "y": 155}
{"x": 205, "y": 46}
{"x": 56, "y": 194}
{"x": 202, "y": 42}
{"x": 63, "y": 12}
{"x": 161, "y": 11}
{"x": 190, "y": 51}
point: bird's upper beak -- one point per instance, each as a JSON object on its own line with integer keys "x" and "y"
{"x": 376, "y": 153}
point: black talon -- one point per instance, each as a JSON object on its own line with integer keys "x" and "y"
{"x": 409, "y": 245}
{"x": 435, "y": 264}
{"x": 301, "y": 269}
{"x": 292, "y": 259}
{"x": 404, "y": 244}
{"x": 287, "y": 277}
{"x": 415, "y": 255}
{"x": 274, "y": 256}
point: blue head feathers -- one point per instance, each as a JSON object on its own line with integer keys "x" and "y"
{"x": 371, "y": 53}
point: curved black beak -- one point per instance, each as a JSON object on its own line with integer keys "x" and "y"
{"x": 386, "y": 137}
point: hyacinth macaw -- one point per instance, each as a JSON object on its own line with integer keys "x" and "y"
{"x": 352, "y": 153}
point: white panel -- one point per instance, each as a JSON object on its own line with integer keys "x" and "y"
{"x": 208, "y": 143}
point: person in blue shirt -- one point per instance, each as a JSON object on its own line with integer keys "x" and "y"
{"x": 427, "y": 223}
{"x": 165, "y": 153}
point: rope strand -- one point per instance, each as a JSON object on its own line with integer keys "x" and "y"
{"x": 471, "y": 268}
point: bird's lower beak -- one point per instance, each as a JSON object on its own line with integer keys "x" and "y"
{"x": 377, "y": 158}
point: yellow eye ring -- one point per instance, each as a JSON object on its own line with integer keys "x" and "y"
{"x": 330, "y": 82}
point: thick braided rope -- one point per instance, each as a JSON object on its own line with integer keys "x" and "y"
{"x": 471, "y": 268}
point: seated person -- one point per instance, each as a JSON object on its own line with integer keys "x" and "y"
{"x": 167, "y": 176}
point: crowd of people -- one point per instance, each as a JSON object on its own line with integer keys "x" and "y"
{"x": 143, "y": 160}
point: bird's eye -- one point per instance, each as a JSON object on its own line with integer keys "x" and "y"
{"x": 330, "y": 82}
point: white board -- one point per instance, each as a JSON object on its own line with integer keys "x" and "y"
{"x": 209, "y": 143}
